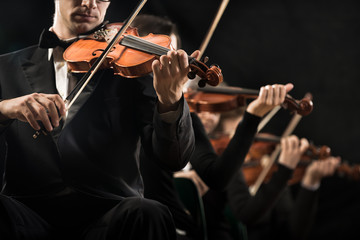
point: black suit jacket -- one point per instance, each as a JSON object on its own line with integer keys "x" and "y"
{"x": 97, "y": 149}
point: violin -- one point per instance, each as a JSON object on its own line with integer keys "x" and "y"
{"x": 264, "y": 145}
{"x": 221, "y": 99}
{"x": 132, "y": 55}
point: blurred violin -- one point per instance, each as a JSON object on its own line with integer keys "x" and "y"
{"x": 213, "y": 102}
{"x": 264, "y": 144}
{"x": 221, "y": 99}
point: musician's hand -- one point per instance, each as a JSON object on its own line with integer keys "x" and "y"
{"x": 319, "y": 169}
{"x": 200, "y": 185}
{"x": 269, "y": 97}
{"x": 291, "y": 150}
{"x": 32, "y": 108}
{"x": 170, "y": 76}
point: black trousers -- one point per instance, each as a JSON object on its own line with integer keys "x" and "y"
{"x": 78, "y": 216}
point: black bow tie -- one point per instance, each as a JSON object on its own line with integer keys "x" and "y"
{"x": 49, "y": 39}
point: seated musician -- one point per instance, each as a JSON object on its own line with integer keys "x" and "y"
{"x": 273, "y": 212}
{"x": 79, "y": 177}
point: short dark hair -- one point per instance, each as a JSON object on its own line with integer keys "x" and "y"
{"x": 147, "y": 23}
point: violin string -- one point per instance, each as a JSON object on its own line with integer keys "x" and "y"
{"x": 143, "y": 45}
{"x": 146, "y": 44}
{"x": 229, "y": 90}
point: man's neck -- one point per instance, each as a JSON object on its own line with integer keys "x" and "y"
{"x": 63, "y": 35}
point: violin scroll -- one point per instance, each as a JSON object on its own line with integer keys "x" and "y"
{"x": 352, "y": 172}
{"x": 303, "y": 107}
{"x": 315, "y": 152}
{"x": 208, "y": 75}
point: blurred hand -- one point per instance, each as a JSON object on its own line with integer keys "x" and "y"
{"x": 201, "y": 186}
{"x": 319, "y": 169}
{"x": 270, "y": 96}
{"x": 291, "y": 150}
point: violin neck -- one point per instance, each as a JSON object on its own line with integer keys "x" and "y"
{"x": 231, "y": 90}
{"x": 143, "y": 45}
{"x": 273, "y": 139}
{"x": 140, "y": 44}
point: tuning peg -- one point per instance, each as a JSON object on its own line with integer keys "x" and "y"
{"x": 191, "y": 75}
{"x": 206, "y": 59}
{"x": 202, "y": 83}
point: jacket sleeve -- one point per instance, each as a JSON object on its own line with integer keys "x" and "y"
{"x": 249, "y": 209}
{"x": 169, "y": 144}
{"x": 174, "y": 142}
{"x": 4, "y": 125}
{"x": 217, "y": 171}
{"x": 303, "y": 214}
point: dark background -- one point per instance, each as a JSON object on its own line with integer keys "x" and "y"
{"x": 311, "y": 43}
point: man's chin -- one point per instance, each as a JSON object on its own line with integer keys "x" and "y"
{"x": 85, "y": 27}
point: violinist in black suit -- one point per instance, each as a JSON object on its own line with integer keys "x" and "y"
{"x": 80, "y": 180}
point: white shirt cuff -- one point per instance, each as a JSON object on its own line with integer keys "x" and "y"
{"x": 171, "y": 116}
{"x": 312, "y": 187}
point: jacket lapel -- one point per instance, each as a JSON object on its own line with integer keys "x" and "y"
{"x": 39, "y": 72}
{"x": 85, "y": 94}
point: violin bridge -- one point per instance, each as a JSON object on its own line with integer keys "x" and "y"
{"x": 105, "y": 34}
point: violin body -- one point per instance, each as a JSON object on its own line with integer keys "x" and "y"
{"x": 213, "y": 102}
{"x": 258, "y": 152}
